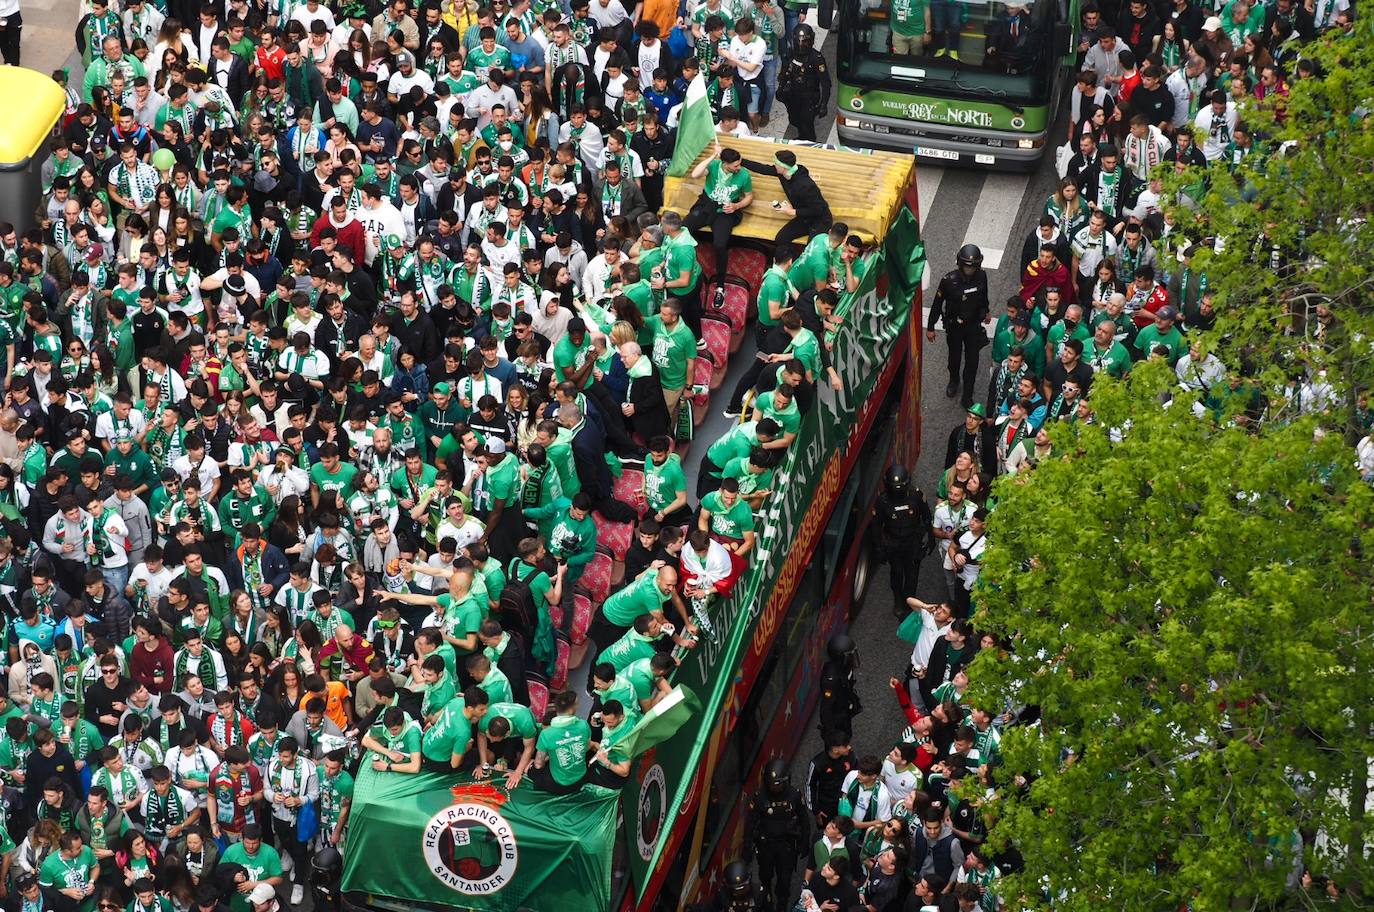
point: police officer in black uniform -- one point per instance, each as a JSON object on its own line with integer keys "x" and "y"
{"x": 804, "y": 83}
{"x": 839, "y": 688}
{"x": 901, "y": 524}
{"x": 961, "y": 302}
{"x": 739, "y": 893}
{"x": 776, "y": 830}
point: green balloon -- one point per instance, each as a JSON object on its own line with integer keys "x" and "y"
{"x": 164, "y": 159}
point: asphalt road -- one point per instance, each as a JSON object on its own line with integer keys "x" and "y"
{"x": 958, "y": 207}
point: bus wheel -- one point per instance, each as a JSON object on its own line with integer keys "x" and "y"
{"x": 863, "y": 575}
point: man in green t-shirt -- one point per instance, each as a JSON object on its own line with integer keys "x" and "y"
{"x": 820, "y": 260}
{"x": 331, "y": 474}
{"x": 71, "y": 871}
{"x": 506, "y": 740}
{"x": 560, "y": 762}
{"x": 395, "y": 742}
{"x": 740, "y": 441}
{"x": 727, "y": 517}
{"x": 674, "y": 353}
{"x": 445, "y": 746}
{"x": 1162, "y": 332}
{"x": 261, "y": 864}
{"x": 776, "y": 293}
{"x": 910, "y": 26}
{"x": 780, "y": 405}
{"x": 665, "y": 484}
{"x": 727, "y": 192}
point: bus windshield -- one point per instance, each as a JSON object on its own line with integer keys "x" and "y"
{"x": 985, "y": 49}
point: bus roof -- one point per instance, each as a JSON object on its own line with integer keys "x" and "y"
{"x": 864, "y": 189}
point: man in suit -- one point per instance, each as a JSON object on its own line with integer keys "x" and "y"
{"x": 227, "y": 70}
{"x": 644, "y": 406}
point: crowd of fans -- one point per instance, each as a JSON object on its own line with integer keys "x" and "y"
{"x": 350, "y": 371}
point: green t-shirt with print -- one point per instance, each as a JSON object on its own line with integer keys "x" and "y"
{"x": 663, "y": 482}
{"x": 565, "y": 741}
{"x": 725, "y": 186}
{"x": 728, "y": 522}
{"x": 640, "y": 597}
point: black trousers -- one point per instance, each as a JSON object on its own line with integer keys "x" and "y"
{"x": 800, "y": 227}
{"x": 612, "y": 419}
{"x": 903, "y": 570}
{"x": 801, "y": 114}
{"x": 706, "y": 214}
{"x": 708, "y": 477}
{"x": 287, "y": 842}
{"x": 965, "y": 340}
{"x": 691, "y": 310}
{"x": 777, "y": 863}
{"x": 9, "y": 44}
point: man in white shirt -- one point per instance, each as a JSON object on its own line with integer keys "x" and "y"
{"x": 380, "y": 219}
{"x": 1218, "y": 122}
{"x": 304, "y": 359}
{"x": 597, "y": 277}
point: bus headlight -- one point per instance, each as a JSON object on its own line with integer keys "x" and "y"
{"x": 1025, "y": 144}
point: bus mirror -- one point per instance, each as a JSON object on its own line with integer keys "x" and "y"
{"x": 825, "y": 13}
{"x": 1063, "y": 38}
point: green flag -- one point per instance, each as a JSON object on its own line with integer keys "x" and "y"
{"x": 446, "y": 841}
{"x": 695, "y": 128}
{"x": 661, "y": 722}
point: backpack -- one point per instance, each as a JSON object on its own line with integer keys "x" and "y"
{"x": 516, "y": 609}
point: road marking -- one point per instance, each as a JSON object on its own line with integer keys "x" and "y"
{"x": 928, "y": 179}
{"x": 995, "y": 214}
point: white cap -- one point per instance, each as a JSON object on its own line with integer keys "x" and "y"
{"x": 496, "y": 445}
{"x": 262, "y": 893}
{"x": 1213, "y": 24}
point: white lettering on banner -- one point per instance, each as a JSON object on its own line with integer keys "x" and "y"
{"x": 938, "y": 111}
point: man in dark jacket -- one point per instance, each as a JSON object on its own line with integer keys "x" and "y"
{"x": 974, "y": 436}
{"x": 49, "y": 759}
{"x": 825, "y": 776}
{"x": 644, "y": 405}
{"x": 589, "y": 460}
{"x": 808, "y": 208}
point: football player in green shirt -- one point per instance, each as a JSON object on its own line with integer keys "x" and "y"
{"x": 394, "y": 742}
{"x": 560, "y": 762}
{"x": 506, "y": 739}
{"x": 727, "y": 517}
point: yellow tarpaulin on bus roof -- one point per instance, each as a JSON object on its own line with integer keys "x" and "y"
{"x": 864, "y": 190}
{"x": 30, "y": 104}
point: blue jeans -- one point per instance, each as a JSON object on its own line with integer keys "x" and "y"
{"x": 791, "y": 18}
{"x": 768, "y": 85}
{"x": 945, "y": 19}
{"x": 116, "y": 577}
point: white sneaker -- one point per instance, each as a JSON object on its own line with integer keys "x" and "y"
{"x": 297, "y": 894}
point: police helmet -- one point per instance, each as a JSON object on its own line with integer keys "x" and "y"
{"x": 840, "y": 648}
{"x": 737, "y": 877}
{"x": 897, "y": 480}
{"x": 970, "y": 255}
{"x": 805, "y": 34}
{"x": 775, "y": 774}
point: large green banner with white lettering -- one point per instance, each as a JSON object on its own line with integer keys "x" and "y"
{"x": 875, "y": 316}
{"x": 430, "y": 839}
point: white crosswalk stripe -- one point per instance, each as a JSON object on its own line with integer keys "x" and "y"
{"x": 994, "y": 216}
{"x": 994, "y": 219}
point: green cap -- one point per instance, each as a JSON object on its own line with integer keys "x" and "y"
{"x": 394, "y": 240}
{"x": 978, "y": 409}
{"x": 441, "y": 389}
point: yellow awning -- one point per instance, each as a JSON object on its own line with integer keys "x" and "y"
{"x": 30, "y": 103}
{"x": 863, "y": 190}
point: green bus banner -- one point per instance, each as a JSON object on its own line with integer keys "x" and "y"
{"x": 428, "y": 839}
{"x": 875, "y": 316}
{"x": 930, "y": 109}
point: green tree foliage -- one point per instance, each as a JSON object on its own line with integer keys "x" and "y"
{"x": 1287, "y": 229}
{"x": 1188, "y": 594}
{"x": 1191, "y": 611}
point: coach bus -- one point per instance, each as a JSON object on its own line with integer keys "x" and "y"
{"x": 980, "y": 91}
{"x": 682, "y": 810}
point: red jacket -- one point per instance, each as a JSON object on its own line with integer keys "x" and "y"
{"x": 925, "y": 753}
{"x": 1034, "y": 278}
{"x": 350, "y": 234}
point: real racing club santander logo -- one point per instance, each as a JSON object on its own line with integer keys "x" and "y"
{"x": 651, "y": 811}
{"x": 469, "y": 845}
